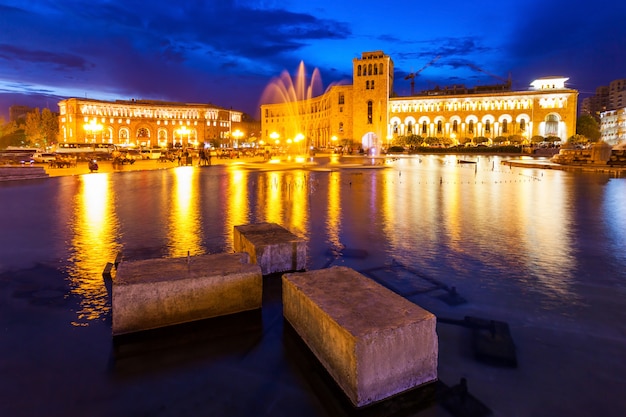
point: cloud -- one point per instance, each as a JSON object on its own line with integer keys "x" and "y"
{"x": 60, "y": 61}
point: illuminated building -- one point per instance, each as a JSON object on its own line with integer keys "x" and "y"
{"x": 367, "y": 114}
{"x": 147, "y": 123}
{"x": 613, "y": 126}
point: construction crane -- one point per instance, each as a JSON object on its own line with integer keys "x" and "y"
{"x": 506, "y": 81}
{"x": 412, "y": 75}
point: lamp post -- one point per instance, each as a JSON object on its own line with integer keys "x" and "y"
{"x": 181, "y": 132}
{"x": 237, "y": 134}
{"x": 93, "y": 128}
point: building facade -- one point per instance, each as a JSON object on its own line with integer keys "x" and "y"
{"x": 368, "y": 115}
{"x": 148, "y": 123}
{"x": 613, "y": 126}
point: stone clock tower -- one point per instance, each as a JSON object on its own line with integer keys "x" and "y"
{"x": 372, "y": 87}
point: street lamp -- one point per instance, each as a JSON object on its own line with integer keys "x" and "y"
{"x": 93, "y": 128}
{"x": 237, "y": 134}
{"x": 181, "y": 132}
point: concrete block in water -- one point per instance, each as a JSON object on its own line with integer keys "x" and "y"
{"x": 155, "y": 293}
{"x": 373, "y": 342}
{"x": 272, "y": 247}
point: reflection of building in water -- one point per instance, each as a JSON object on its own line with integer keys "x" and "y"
{"x": 368, "y": 114}
{"x": 95, "y": 228}
{"x": 148, "y": 123}
{"x": 185, "y": 234}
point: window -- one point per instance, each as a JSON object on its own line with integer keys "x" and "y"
{"x": 395, "y": 128}
{"x": 470, "y": 127}
{"x": 359, "y": 70}
{"x": 367, "y": 85}
{"x": 552, "y": 125}
{"x": 341, "y": 98}
{"x": 505, "y": 126}
{"x": 369, "y": 112}
{"x": 488, "y": 126}
{"x": 409, "y": 127}
{"x": 439, "y": 127}
{"x": 424, "y": 127}
{"x": 522, "y": 125}
{"x": 372, "y": 84}
{"x": 341, "y": 126}
{"x": 455, "y": 126}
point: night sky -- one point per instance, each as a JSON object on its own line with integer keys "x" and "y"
{"x": 226, "y": 52}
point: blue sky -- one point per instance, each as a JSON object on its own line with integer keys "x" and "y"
{"x": 227, "y": 52}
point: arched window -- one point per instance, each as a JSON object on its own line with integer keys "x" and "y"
{"x": 487, "y": 126}
{"x": 409, "y": 127}
{"x": 522, "y": 125}
{"x": 552, "y": 125}
{"x": 470, "y": 127}
{"x": 358, "y": 72}
{"x": 455, "y": 126}
{"x": 439, "y": 127}
{"x": 369, "y": 113}
{"x": 375, "y": 69}
{"x": 424, "y": 127}
{"x": 505, "y": 126}
{"x": 143, "y": 133}
{"x": 367, "y": 84}
{"x": 369, "y": 69}
{"x": 380, "y": 71}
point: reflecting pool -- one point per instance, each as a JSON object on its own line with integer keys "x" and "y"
{"x": 538, "y": 248}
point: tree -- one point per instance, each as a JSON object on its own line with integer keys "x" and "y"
{"x": 587, "y": 126}
{"x": 41, "y": 128}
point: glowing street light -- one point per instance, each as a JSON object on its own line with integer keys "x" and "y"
{"x": 182, "y": 131}
{"x": 237, "y": 134}
{"x": 93, "y": 128}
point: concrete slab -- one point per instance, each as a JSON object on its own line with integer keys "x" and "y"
{"x": 272, "y": 247}
{"x": 373, "y": 342}
{"x": 154, "y": 293}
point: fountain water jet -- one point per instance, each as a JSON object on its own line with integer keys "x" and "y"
{"x": 295, "y": 95}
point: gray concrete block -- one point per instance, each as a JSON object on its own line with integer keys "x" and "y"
{"x": 155, "y": 293}
{"x": 272, "y": 247}
{"x": 373, "y": 342}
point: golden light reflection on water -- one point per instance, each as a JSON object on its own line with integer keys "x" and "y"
{"x": 283, "y": 199}
{"x": 298, "y": 194}
{"x": 185, "y": 232}
{"x": 274, "y": 202}
{"x": 95, "y": 228}
{"x": 237, "y": 204}
{"x": 333, "y": 222}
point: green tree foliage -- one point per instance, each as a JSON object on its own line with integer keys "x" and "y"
{"x": 578, "y": 140}
{"x": 499, "y": 139}
{"x": 537, "y": 139}
{"x": 587, "y": 126}
{"x": 10, "y": 134}
{"x": 41, "y": 128}
{"x": 413, "y": 141}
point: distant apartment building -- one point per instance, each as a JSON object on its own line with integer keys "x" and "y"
{"x": 148, "y": 123}
{"x": 368, "y": 114}
{"x": 596, "y": 104}
{"x": 613, "y": 126}
{"x": 606, "y": 98}
{"x": 18, "y": 113}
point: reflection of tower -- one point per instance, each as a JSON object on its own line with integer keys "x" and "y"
{"x": 372, "y": 86}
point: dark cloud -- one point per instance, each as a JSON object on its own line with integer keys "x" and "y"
{"x": 58, "y": 60}
{"x": 226, "y": 52}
